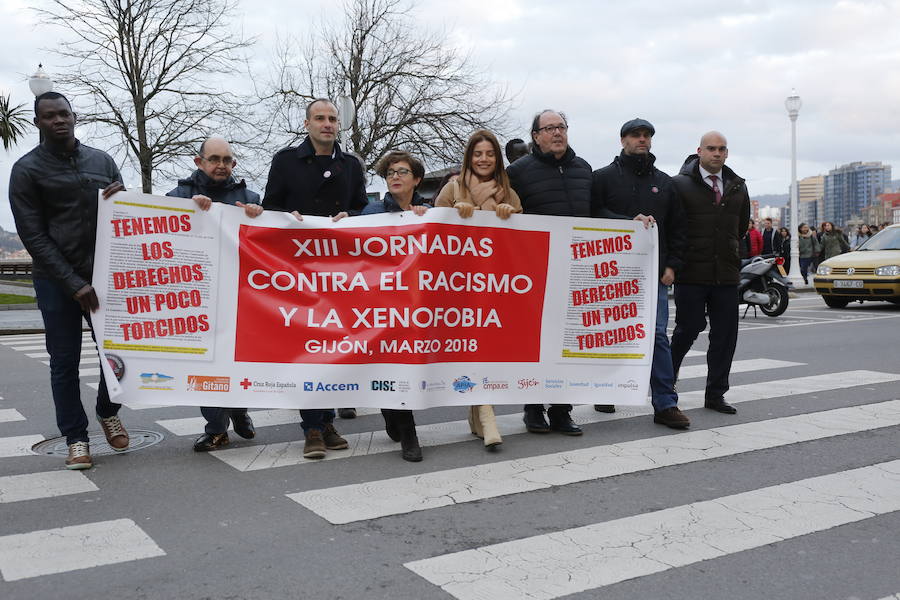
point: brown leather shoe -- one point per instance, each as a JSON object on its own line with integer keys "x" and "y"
{"x": 116, "y": 436}
{"x": 315, "y": 445}
{"x": 332, "y": 439}
{"x": 211, "y": 441}
{"x": 672, "y": 417}
{"x": 79, "y": 456}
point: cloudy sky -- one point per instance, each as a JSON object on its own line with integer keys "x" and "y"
{"x": 687, "y": 66}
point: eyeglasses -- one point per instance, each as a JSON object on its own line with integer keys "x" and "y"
{"x": 398, "y": 172}
{"x": 553, "y": 128}
{"x": 216, "y": 160}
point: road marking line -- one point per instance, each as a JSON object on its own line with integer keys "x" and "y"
{"x": 738, "y": 366}
{"x": 19, "y": 445}
{"x": 84, "y": 346}
{"x": 71, "y": 548}
{"x": 15, "y": 488}
{"x": 403, "y": 495}
{"x": 261, "y": 418}
{"x": 8, "y": 415}
{"x": 566, "y": 562}
{"x": 270, "y": 456}
{"x": 8, "y": 340}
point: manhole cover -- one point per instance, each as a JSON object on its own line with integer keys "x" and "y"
{"x": 138, "y": 440}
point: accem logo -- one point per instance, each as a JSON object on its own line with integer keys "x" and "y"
{"x": 318, "y": 386}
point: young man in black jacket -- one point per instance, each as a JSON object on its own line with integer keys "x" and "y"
{"x": 632, "y": 187}
{"x": 213, "y": 181}
{"x": 551, "y": 180}
{"x": 318, "y": 178}
{"x": 717, "y": 206}
{"x": 53, "y": 195}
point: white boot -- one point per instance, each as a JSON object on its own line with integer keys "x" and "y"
{"x": 489, "y": 426}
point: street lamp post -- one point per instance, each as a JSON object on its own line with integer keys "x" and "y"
{"x": 793, "y": 104}
{"x": 40, "y": 83}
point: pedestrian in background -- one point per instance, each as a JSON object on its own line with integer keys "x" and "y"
{"x": 782, "y": 247}
{"x": 809, "y": 248}
{"x": 832, "y": 242}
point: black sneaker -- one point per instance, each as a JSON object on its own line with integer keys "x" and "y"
{"x": 211, "y": 441}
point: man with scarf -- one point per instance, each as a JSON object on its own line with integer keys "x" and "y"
{"x": 213, "y": 182}
{"x": 632, "y": 187}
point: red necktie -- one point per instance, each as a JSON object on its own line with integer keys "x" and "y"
{"x": 718, "y": 192}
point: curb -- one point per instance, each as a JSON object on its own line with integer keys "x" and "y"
{"x": 29, "y": 306}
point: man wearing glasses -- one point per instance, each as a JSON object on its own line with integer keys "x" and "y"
{"x": 213, "y": 182}
{"x": 551, "y": 180}
{"x": 717, "y": 206}
{"x": 318, "y": 178}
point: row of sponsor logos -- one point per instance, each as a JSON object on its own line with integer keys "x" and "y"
{"x": 463, "y": 384}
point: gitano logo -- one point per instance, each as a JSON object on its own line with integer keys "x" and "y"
{"x": 208, "y": 383}
{"x": 463, "y": 384}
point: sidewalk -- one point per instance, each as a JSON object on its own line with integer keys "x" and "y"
{"x": 19, "y": 318}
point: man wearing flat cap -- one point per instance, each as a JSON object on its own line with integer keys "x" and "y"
{"x": 631, "y": 187}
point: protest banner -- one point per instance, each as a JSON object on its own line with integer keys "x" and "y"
{"x": 392, "y": 310}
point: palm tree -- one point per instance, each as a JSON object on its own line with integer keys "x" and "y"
{"x": 12, "y": 122}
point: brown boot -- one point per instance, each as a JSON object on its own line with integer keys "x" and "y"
{"x": 315, "y": 445}
{"x": 488, "y": 426}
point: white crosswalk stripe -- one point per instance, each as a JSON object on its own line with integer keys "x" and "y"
{"x": 261, "y": 418}
{"x": 8, "y": 415}
{"x": 549, "y": 566}
{"x": 370, "y": 500}
{"x": 71, "y": 548}
{"x": 16, "y": 488}
{"x": 18, "y": 445}
{"x": 269, "y": 456}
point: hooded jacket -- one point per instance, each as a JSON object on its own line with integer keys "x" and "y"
{"x": 312, "y": 185}
{"x": 632, "y": 185}
{"x": 54, "y": 202}
{"x": 550, "y": 186}
{"x": 711, "y": 255}
{"x": 229, "y": 191}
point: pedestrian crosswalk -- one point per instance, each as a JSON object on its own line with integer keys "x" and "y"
{"x": 587, "y": 558}
{"x": 584, "y": 557}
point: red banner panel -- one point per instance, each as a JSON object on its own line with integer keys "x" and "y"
{"x": 408, "y": 294}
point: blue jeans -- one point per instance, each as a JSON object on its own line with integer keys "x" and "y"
{"x": 315, "y": 418}
{"x": 804, "y": 268}
{"x": 662, "y": 373}
{"x": 62, "y": 320}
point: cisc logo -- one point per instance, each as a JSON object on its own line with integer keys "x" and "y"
{"x": 384, "y": 386}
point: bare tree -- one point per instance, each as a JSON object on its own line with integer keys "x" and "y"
{"x": 13, "y": 121}
{"x": 149, "y": 66}
{"x": 411, "y": 88}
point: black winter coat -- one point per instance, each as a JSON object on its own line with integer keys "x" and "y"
{"x": 301, "y": 181}
{"x": 230, "y": 191}
{"x": 631, "y": 185}
{"x": 713, "y": 232}
{"x": 54, "y": 202}
{"x": 548, "y": 186}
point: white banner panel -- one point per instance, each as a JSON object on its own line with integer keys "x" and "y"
{"x": 395, "y": 311}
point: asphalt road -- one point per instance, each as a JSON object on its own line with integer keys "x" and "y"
{"x": 797, "y": 496}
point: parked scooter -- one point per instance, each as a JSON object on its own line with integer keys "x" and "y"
{"x": 764, "y": 284}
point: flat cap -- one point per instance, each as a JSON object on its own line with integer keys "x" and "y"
{"x": 637, "y": 124}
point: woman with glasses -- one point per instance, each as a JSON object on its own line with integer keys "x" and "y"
{"x": 403, "y": 174}
{"x": 482, "y": 185}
